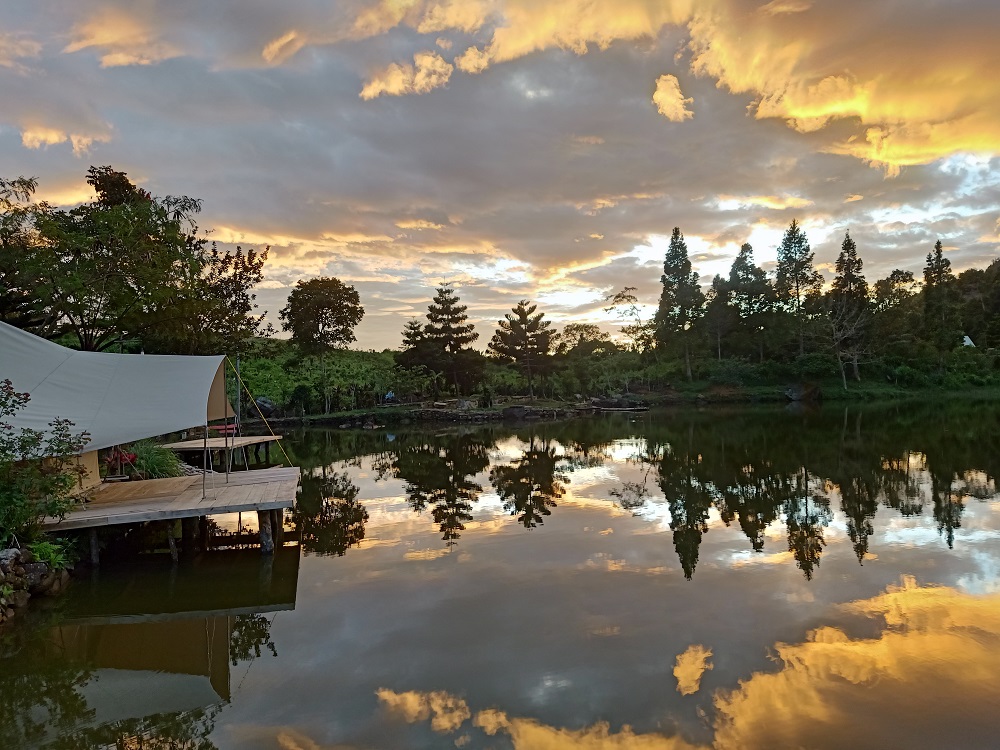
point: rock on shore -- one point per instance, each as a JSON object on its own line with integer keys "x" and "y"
{"x": 21, "y": 578}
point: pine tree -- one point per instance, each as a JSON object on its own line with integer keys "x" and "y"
{"x": 752, "y": 294}
{"x": 448, "y": 323}
{"x": 941, "y": 314}
{"x": 413, "y": 334}
{"x": 848, "y": 308}
{"x": 796, "y": 279}
{"x": 523, "y": 337}
{"x": 442, "y": 345}
{"x": 681, "y": 302}
{"x": 721, "y": 316}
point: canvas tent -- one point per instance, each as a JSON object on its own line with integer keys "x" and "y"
{"x": 116, "y": 398}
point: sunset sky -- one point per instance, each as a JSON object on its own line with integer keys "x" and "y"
{"x": 520, "y": 148}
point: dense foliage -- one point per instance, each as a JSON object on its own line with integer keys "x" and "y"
{"x": 123, "y": 267}
{"x": 38, "y": 473}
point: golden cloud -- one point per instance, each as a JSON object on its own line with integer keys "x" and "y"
{"x": 690, "y": 666}
{"x": 14, "y": 48}
{"x": 429, "y": 71}
{"x": 936, "y": 659}
{"x": 804, "y": 63}
{"x": 36, "y": 137}
{"x": 122, "y": 39}
{"x": 447, "y": 712}
{"x": 669, "y": 100}
{"x": 933, "y": 664}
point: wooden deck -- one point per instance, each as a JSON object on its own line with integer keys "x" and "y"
{"x": 221, "y": 443}
{"x": 181, "y": 497}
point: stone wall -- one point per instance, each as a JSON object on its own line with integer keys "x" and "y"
{"x": 21, "y": 578}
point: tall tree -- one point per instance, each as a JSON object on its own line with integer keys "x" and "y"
{"x": 321, "y": 315}
{"x": 721, "y": 317}
{"x": 753, "y": 296}
{"x": 448, "y": 322}
{"x": 523, "y": 337}
{"x": 847, "y": 305}
{"x": 125, "y": 264}
{"x": 20, "y": 303}
{"x": 681, "y": 301}
{"x": 796, "y": 279}
{"x": 215, "y": 310}
{"x": 941, "y": 313}
{"x": 449, "y": 335}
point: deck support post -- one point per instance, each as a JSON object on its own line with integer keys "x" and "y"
{"x": 278, "y": 526}
{"x": 171, "y": 543}
{"x": 266, "y": 539}
{"x": 204, "y": 537}
{"x": 95, "y": 549}
{"x": 188, "y": 529}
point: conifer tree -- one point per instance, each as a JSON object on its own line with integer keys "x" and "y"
{"x": 941, "y": 314}
{"x": 681, "y": 302}
{"x": 796, "y": 279}
{"x": 848, "y": 308}
{"x": 752, "y": 294}
{"x": 448, "y": 323}
{"x": 523, "y": 337}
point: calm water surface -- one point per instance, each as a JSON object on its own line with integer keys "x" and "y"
{"x": 752, "y": 578}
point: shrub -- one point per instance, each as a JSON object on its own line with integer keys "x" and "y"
{"x": 51, "y": 553}
{"x": 38, "y": 473}
{"x": 154, "y": 461}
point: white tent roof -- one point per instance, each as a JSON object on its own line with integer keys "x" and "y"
{"x": 117, "y": 398}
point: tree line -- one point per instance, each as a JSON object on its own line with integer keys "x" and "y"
{"x": 128, "y": 271}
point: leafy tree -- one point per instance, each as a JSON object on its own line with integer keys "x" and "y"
{"x": 524, "y": 338}
{"x": 20, "y": 303}
{"x": 681, "y": 301}
{"x": 796, "y": 279}
{"x": 37, "y": 470}
{"x": 214, "y": 310}
{"x": 110, "y": 267}
{"x": 941, "y": 315}
{"x": 321, "y": 314}
{"x": 125, "y": 264}
{"x": 585, "y": 338}
{"x": 640, "y": 333}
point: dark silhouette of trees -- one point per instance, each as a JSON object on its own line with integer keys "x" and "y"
{"x": 530, "y": 485}
{"x": 796, "y": 281}
{"x": 681, "y": 301}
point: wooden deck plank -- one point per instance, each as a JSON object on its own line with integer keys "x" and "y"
{"x": 218, "y": 443}
{"x": 268, "y": 489}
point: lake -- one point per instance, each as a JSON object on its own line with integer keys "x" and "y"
{"x": 752, "y": 577}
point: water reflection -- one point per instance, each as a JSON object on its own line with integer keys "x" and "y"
{"x": 142, "y": 658}
{"x": 530, "y": 486}
{"x": 329, "y": 516}
{"x": 749, "y": 468}
{"x": 932, "y": 658}
{"x": 439, "y": 474}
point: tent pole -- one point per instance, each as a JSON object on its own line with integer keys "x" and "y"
{"x": 225, "y": 431}
{"x": 204, "y": 461}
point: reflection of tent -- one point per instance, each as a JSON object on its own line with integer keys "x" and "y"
{"x": 116, "y": 398}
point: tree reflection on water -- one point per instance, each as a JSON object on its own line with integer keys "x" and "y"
{"x": 752, "y": 467}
